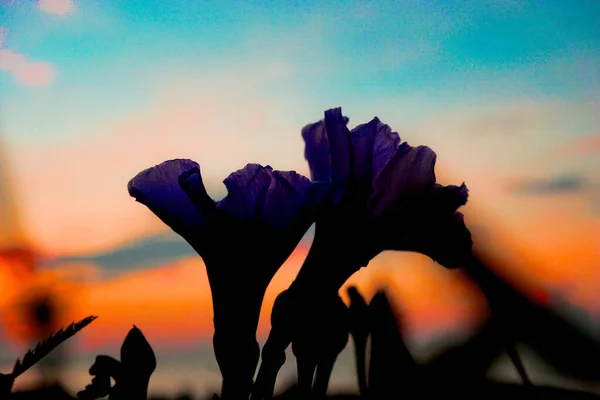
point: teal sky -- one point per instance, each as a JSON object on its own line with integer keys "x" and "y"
{"x": 113, "y": 55}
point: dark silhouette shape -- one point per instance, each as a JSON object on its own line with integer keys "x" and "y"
{"x": 316, "y": 346}
{"x": 41, "y": 350}
{"x": 392, "y": 369}
{"x": 6, "y": 384}
{"x": 457, "y": 371}
{"x": 131, "y": 374}
{"x": 243, "y": 240}
{"x": 477, "y": 272}
{"x": 272, "y": 356}
{"x": 385, "y": 197}
{"x": 559, "y": 343}
{"x": 360, "y": 330}
{"x": 467, "y": 363}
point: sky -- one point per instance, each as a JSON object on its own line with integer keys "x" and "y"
{"x": 92, "y": 92}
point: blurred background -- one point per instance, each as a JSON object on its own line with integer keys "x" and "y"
{"x": 91, "y": 92}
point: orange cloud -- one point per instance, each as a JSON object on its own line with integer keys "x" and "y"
{"x": 587, "y": 144}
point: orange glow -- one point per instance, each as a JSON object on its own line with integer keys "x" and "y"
{"x": 172, "y": 303}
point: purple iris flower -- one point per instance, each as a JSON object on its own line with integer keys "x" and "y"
{"x": 243, "y": 240}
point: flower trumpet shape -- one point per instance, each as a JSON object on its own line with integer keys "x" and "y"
{"x": 385, "y": 197}
{"x": 243, "y": 240}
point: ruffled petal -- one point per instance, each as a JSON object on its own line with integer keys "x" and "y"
{"x": 286, "y": 198}
{"x": 246, "y": 192}
{"x": 191, "y": 182}
{"x": 384, "y": 147}
{"x": 447, "y": 199}
{"x": 363, "y": 138}
{"x": 405, "y": 177}
{"x": 158, "y": 189}
{"x": 373, "y": 146}
{"x": 316, "y": 151}
{"x": 340, "y": 147}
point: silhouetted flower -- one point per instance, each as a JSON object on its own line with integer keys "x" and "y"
{"x": 386, "y": 195}
{"x": 243, "y": 240}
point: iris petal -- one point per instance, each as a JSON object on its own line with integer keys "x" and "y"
{"x": 158, "y": 189}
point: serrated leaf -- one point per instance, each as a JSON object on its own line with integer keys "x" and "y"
{"x": 44, "y": 347}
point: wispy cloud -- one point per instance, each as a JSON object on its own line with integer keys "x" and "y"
{"x": 25, "y": 71}
{"x": 510, "y": 120}
{"x": 57, "y": 7}
{"x": 587, "y": 145}
{"x": 144, "y": 253}
{"x": 148, "y": 252}
{"x": 551, "y": 185}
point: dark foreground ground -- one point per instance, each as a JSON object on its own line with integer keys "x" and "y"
{"x": 486, "y": 390}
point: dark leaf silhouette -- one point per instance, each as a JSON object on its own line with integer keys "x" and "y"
{"x": 468, "y": 362}
{"x": 6, "y": 384}
{"x": 478, "y": 272}
{"x": 390, "y": 358}
{"x": 131, "y": 374}
{"x": 563, "y": 346}
{"x": 360, "y": 330}
{"x": 49, "y": 344}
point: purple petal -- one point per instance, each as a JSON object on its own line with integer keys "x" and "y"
{"x": 192, "y": 184}
{"x": 340, "y": 146}
{"x": 406, "y": 176}
{"x": 447, "y": 199}
{"x": 445, "y": 240}
{"x": 373, "y": 145}
{"x": 158, "y": 189}
{"x": 384, "y": 147}
{"x": 286, "y": 199}
{"x": 316, "y": 151}
{"x": 246, "y": 192}
{"x": 363, "y": 138}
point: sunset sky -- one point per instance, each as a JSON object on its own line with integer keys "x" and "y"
{"x": 91, "y": 92}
